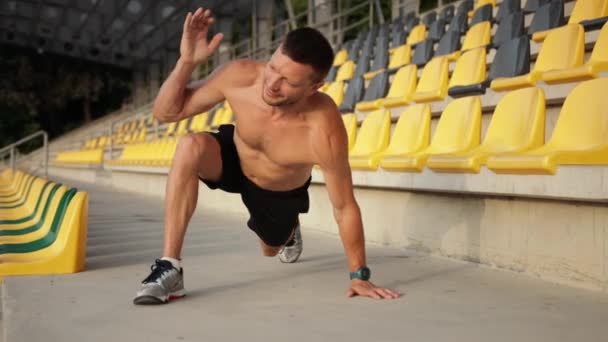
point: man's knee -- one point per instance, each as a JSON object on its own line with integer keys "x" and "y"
{"x": 192, "y": 145}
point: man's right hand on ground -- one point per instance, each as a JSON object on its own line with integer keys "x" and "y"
{"x": 194, "y": 47}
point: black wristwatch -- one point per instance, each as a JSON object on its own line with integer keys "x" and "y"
{"x": 363, "y": 273}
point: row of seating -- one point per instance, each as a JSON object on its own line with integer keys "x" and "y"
{"x": 514, "y": 141}
{"x": 43, "y": 226}
{"x": 128, "y": 132}
{"x": 80, "y": 157}
{"x": 155, "y": 153}
{"x": 368, "y": 61}
{"x": 509, "y": 70}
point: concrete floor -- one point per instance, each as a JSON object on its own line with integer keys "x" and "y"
{"x": 235, "y": 294}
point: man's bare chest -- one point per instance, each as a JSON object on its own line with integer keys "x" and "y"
{"x": 285, "y": 143}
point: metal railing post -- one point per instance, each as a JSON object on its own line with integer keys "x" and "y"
{"x": 13, "y": 159}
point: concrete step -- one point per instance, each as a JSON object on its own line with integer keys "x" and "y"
{"x": 235, "y": 294}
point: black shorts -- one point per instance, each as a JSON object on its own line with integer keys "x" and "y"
{"x": 273, "y": 214}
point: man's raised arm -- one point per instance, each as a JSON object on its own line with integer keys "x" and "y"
{"x": 176, "y": 99}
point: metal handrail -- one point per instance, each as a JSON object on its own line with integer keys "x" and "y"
{"x": 12, "y": 148}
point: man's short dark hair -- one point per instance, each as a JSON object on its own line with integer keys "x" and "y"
{"x": 308, "y": 46}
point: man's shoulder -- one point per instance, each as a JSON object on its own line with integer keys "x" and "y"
{"x": 241, "y": 72}
{"x": 324, "y": 111}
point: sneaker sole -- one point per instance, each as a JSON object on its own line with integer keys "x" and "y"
{"x": 151, "y": 300}
{"x": 290, "y": 261}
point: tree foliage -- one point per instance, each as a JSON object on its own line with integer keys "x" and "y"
{"x": 54, "y": 93}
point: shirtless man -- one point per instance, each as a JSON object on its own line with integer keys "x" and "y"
{"x": 285, "y": 126}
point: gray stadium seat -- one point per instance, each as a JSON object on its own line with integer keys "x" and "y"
{"x": 464, "y": 7}
{"x": 353, "y": 94}
{"x": 449, "y": 43}
{"x": 331, "y": 75}
{"x": 548, "y": 16}
{"x": 459, "y": 23}
{"x": 483, "y": 13}
{"x": 423, "y": 52}
{"x": 436, "y": 30}
{"x": 378, "y": 87}
{"x": 380, "y": 55}
{"x": 429, "y": 18}
{"x": 447, "y": 13}
{"x": 533, "y": 5}
{"x": 506, "y": 8}
{"x": 512, "y": 59}
{"x": 362, "y": 63}
{"x": 398, "y": 38}
{"x": 509, "y": 28}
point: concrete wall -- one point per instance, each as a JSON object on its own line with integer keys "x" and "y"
{"x": 558, "y": 241}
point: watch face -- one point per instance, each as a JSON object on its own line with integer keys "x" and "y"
{"x": 366, "y": 273}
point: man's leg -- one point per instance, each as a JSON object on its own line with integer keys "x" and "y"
{"x": 196, "y": 155}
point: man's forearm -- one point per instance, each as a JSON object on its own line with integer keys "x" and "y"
{"x": 170, "y": 100}
{"x": 351, "y": 232}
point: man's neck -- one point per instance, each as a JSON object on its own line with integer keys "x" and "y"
{"x": 289, "y": 110}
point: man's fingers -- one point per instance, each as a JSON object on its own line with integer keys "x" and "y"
{"x": 394, "y": 293}
{"x": 198, "y": 12}
{"x": 350, "y": 293}
{"x": 187, "y": 22}
{"x": 216, "y": 41}
{"x": 389, "y": 294}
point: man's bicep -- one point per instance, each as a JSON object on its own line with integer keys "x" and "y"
{"x": 203, "y": 95}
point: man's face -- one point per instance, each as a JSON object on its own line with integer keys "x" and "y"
{"x": 286, "y": 81}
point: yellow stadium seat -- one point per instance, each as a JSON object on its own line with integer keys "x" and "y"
{"x": 371, "y": 140}
{"x": 16, "y": 192}
{"x": 411, "y": 135}
{"x": 170, "y": 129}
{"x": 9, "y": 232}
{"x": 341, "y": 57}
{"x": 199, "y": 122}
{"x": 346, "y": 71}
{"x": 433, "y": 83}
{"x": 80, "y": 157}
{"x": 509, "y": 131}
{"x": 350, "y": 124}
{"x": 103, "y": 141}
{"x": 588, "y": 10}
{"x": 182, "y": 127}
{"x": 478, "y": 35}
{"x": 597, "y": 62}
{"x": 458, "y": 130}
{"x": 552, "y": 56}
{"x": 417, "y": 34}
{"x": 402, "y": 88}
{"x": 470, "y": 68}
{"x": 579, "y": 136}
{"x": 400, "y": 56}
{"x": 63, "y": 250}
{"x": 166, "y": 157}
{"x": 336, "y": 92}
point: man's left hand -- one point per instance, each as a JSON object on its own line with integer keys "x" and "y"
{"x": 368, "y": 289}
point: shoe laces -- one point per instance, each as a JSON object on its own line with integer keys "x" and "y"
{"x": 158, "y": 269}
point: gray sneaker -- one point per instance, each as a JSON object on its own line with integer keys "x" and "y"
{"x": 292, "y": 250}
{"x": 164, "y": 284}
